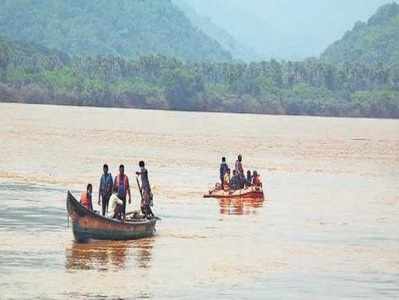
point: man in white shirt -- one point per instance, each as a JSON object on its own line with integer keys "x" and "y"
{"x": 115, "y": 206}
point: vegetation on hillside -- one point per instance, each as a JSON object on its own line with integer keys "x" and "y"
{"x": 312, "y": 87}
{"x": 376, "y": 41}
{"x": 126, "y": 28}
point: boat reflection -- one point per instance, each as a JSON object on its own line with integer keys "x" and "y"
{"x": 143, "y": 252}
{"x": 240, "y": 206}
{"x": 108, "y": 255}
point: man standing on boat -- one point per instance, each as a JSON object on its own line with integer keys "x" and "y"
{"x": 146, "y": 195}
{"x": 121, "y": 186}
{"x": 105, "y": 189}
{"x": 223, "y": 170}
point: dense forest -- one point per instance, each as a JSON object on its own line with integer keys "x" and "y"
{"x": 127, "y": 28}
{"x": 372, "y": 42}
{"x": 35, "y": 74}
{"x": 312, "y": 87}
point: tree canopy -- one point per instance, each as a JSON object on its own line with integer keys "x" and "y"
{"x": 37, "y": 75}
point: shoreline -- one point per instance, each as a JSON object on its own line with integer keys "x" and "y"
{"x": 204, "y": 111}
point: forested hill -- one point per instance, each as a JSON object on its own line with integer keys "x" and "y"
{"x": 376, "y": 41}
{"x": 30, "y": 56}
{"x": 33, "y": 74}
{"x": 126, "y": 28}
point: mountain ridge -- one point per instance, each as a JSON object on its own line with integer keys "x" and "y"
{"x": 126, "y": 28}
{"x": 372, "y": 42}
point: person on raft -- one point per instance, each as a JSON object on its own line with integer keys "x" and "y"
{"x": 226, "y": 180}
{"x": 248, "y": 181}
{"x": 146, "y": 197}
{"x": 256, "y": 181}
{"x": 240, "y": 171}
{"x": 86, "y": 197}
{"x": 223, "y": 170}
{"x": 105, "y": 189}
{"x": 121, "y": 185}
{"x": 235, "y": 181}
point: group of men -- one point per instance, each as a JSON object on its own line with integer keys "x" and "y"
{"x": 112, "y": 193}
{"x": 238, "y": 180}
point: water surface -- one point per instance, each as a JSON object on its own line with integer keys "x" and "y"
{"x": 328, "y": 228}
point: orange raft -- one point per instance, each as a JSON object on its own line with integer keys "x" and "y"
{"x": 252, "y": 192}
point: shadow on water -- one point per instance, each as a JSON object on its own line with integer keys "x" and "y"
{"x": 106, "y": 255}
{"x": 240, "y": 206}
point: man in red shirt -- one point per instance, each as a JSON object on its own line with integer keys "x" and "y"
{"x": 121, "y": 186}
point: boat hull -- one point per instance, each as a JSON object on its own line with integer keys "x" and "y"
{"x": 88, "y": 225}
{"x": 249, "y": 193}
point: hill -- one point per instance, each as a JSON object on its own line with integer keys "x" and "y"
{"x": 126, "y": 28}
{"x": 376, "y": 41}
{"x": 33, "y": 74}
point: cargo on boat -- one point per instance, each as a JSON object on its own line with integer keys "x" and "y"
{"x": 255, "y": 192}
{"x": 87, "y": 225}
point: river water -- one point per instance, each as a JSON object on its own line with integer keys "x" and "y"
{"x": 328, "y": 228}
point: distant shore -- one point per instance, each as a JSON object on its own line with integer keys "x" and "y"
{"x": 195, "y": 111}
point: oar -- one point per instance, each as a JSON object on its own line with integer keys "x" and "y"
{"x": 141, "y": 191}
{"x": 141, "y": 194}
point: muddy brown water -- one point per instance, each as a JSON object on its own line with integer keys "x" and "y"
{"x": 328, "y": 229}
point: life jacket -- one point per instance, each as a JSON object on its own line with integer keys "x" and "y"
{"x": 122, "y": 186}
{"x": 86, "y": 201}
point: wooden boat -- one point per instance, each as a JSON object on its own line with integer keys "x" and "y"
{"x": 253, "y": 192}
{"x": 88, "y": 225}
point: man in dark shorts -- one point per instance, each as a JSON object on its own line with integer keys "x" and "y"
{"x": 146, "y": 191}
{"x": 105, "y": 189}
